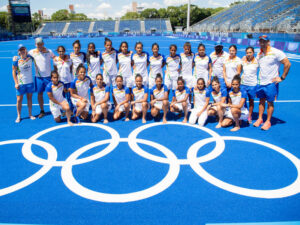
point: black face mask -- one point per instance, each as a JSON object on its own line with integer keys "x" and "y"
{"x": 218, "y": 49}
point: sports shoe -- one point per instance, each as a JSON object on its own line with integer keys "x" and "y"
{"x": 18, "y": 120}
{"x": 258, "y": 123}
{"x": 41, "y": 115}
{"x": 32, "y": 117}
{"x": 266, "y": 125}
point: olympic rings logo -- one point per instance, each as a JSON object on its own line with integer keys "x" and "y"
{"x": 170, "y": 158}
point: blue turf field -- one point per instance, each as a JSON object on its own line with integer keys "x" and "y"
{"x": 162, "y": 190}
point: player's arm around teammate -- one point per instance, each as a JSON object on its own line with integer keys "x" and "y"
{"x": 140, "y": 104}
{"x": 201, "y": 97}
{"x": 159, "y": 98}
{"x": 100, "y": 100}
{"x": 180, "y": 100}
{"x": 57, "y": 102}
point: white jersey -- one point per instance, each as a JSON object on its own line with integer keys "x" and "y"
{"x": 139, "y": 93}
{"x": 82, "y": 86}
{"x": 158, "y": 94}
{"x": 110, "y": 62}
{"x": 156, "y": 65}
{"x": 200, "y": 97}
{"x": 57, "y": 91}
{"x": 180, "y": 95}
{"x": 125, "y": 64}
{"x": 217, "y": 64}
{"x": 187, "y": 65}
{"x": 250, "y": 69}
{"x": 237, "y": 97}
{"x": 94, "y": 67}
{"x": 100, "y": 93}
{"x": 173, "y": 66}
{"x": 201, "y": 69}
{"x": 64, "y": 69}
{"x": 42, "y": 62}
{"x": 120, "y": 94}
{"x": 231, "y": 66}
{"x": 217, "y": 97}
{"x": 76, "y": 60}
{"x": 140, "y": 63}
{"x": 269, "y": 64}
{"x": 24, "y": 69}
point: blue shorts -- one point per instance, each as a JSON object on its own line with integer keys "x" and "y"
{"x": 269, "y": 91}
{"x": 25, "y": 88}
{"x": 251, "y": 91}
{"x": 41, "y": 83}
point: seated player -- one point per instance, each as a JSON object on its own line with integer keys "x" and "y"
{"x": 180, "y": 102}
{"x": 159, "y": 98}
{"x": 140, "y": 104}
{"x": 100, "y": 100}
{"x": 57, "y": 102}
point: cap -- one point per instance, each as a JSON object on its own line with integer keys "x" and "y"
{"x": 39, "y": 40}
{"x": 21, "y": 46}
{"x": 218, "y": 43}
{"x": 264, "y": 37}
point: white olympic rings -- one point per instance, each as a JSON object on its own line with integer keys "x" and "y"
{"x": 133, "y": 140}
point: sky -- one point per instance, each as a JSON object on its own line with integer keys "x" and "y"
{"x": 110, "y": 8}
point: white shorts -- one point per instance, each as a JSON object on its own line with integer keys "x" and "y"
{"x": 189, "y": 81}
{"x": 180, "y": 107}
{"x": 151, "y": 82}
{"x": 56, "y": 109}
{"x": 122, "y": 108}
{"x": 109, "y": 80}
{"x": 75, "y": 100}
{"x": 158, "y": 104}
{"x": 171, "y": 82}
{"x": 195, "y": 78}
{"x": 99, "y": 108}
{"x": 139, "y": 107}
{"x": 244, "y": 114}
{"x": 128, "y": 81}
{"x": 201, "y": 119}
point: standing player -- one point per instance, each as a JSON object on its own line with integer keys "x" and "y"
{"x": 42, "y": 58}
{"x": 203, "y": 68}
{"x": 232, "y": 66}
{"x": 159, "y": 98}
{"x": 187, "y": 64}
{"x": 249, "y": 78}
{"x": 57, "y": 102}
{"x": 124, "y": 59}
{"x": 93, "y": 62}
{"x": 109, "y": 58}
{"x": 180, "y": 101}
{"x": 100, "y": 100}
{"x": 139, "y": 103}
{"x": 77, "y": 57}
{"x": 140, "y": 62}
{"x": 218, "y": 58}
{"x": 80, "y": 93}
{"x": 157, "y": 62}
{"x": 269, "y": 60}
{"x": 201, "y": 97}
{"x": 22, "y": 75}
{"x": 121, "y": 95}
{"x": 173, "y": 68}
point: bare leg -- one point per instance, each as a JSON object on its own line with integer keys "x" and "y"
{"x": 104, "y": 107}
{"x": 165, "y": 109}
{"x": 184, "y": 106}
{"x": 19, "y": 105}
{"x": 144, "y": 111}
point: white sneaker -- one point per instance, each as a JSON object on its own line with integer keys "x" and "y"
{"x": 32, "y": 117}
{"x": 18, "y": 120}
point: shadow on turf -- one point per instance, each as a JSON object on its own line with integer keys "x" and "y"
{"x": 274, "y": 120}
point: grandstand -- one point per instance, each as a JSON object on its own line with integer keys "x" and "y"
{"x": 260, "y": 16}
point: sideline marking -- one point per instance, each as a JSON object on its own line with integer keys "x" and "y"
{"x": 259, "y": 223}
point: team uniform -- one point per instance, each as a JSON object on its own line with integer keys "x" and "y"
{"x": 120, "y": 96}
{"x": 125, "y": 69}
{"x": 140, "y": 63}
{"x": 139, "y": 95}
{"x": 172, "y": 72}
{"x": 42, "y": 68}
{"x": 76, "y": 61}
{"x": 64, "y": 70}
{"x": 269, "y": 64}
{"x": 249, "y": 77}
{"x": 200, "y": 100}
{"x": 82, "y": 87}
{"x": 99, "y": 94}
{"x": 156, "y": 64}
{"x": 110, "y": 70}
{"x": 180, "y": 95}
{"x": 231, "y": 66}
{"x": 94, "y": 67}
{"x": 235, "y": 100}
{"x": 24, "y": 75}
{"x": 57, "y": 91}
{"x": 187, "y": 69}
{"x": 158, "y": 94}
{"x": 217, "y": 97}
{"x": 201, "y": 69}
{"x": 217, "y": 66}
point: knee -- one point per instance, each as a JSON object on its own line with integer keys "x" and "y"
{"x": 103, "y": 105}
{"x": 165, "y": 102}
{"x": 144, "y": 104}
{"x": 184, "y": 104}
{"x": 57, "y": 120}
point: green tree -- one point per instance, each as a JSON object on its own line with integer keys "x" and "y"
{"x": 4, "y": 20}
{"x": 163, "y": 13}
{"x": 78, "y": 16}
{"x": 130, "y": 16}
{"x": 60, "y": 15}
{"x": 36, "y": 20}
{"x": 150, "y": 13}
